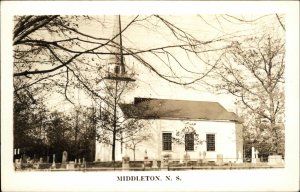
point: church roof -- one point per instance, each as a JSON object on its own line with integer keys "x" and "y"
{"x": 149, "y": 108}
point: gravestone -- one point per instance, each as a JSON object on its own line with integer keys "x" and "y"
{"x": 146, "y": 160}
{"x": 125, "y": 162}
{"x": 147, "y": 163}
{"x": 219, "y": 159}
{"x": 83, "y": 162}
{"x": 70, "y": 165}
{"x": 154, "y": 164}
{"x": 204, "y": 160}
{"x": 64, "y": 159}
{"x": 53, "y": 162}
{"x": 200, "y": 160}
{"x": 275, "y": 160}
{"x": 165, "y": 160}
{"x": 39, "y": 163}
{"x": 186, "y": 158}
{"x": 256, "y": 156}
{"x": 253, "y": 159}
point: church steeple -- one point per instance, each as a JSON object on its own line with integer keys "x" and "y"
{"x": 121, "y": 48}
{"x": 116, "y": 63}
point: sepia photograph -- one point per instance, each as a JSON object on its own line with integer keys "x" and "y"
{"x": 148, "y": 94}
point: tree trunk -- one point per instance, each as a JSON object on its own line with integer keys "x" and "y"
{"x": 114, "y": 135}
{"x": 115, "y": 123}
{"x": 274, "y": 138}
{"x": 113, "y": 147}
{"x": 76, "y": 133}
{"x": 273, "y": 122}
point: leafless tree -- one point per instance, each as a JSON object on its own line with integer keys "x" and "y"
{"x": 138, "y": 135}
{"x": 55, "y": 53}
{"x": 113, "y": 126}
{"x": 253, "y": 71}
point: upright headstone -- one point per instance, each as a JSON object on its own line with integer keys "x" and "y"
{"x": 83, "y": 162}
{"x": 64, "y": 159}
{"x": 165, "y": 160}
{"x": 125, "y": 162}
{"x": 154, "y": 164}
{"x": 204, "y": 157}
{"x": 53, "y": 162}
{"x": 256, "y": 156}
{"x": 253, "y": 159}
{"x": 146, "y": 160}
{"x": 186, "y": 158}
{"x": 200, "y": 160}
{"x": 219, "y": 159}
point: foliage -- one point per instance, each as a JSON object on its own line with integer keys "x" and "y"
{"x": 39, "y": 132}
{"x": 253, "y": 71}
{"x": 59, "y": 134}
{"x": 189, "y": 128}
{"x": 137, "y": 135}
{"x": 29, "y": 120}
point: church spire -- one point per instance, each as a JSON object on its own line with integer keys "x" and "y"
{"x": 116, "y": 62}
{"x": 121, "y": 48}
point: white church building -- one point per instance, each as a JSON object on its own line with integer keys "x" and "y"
{"x": 219, "y": 130}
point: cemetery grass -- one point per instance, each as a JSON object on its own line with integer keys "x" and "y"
{"x": 139, "y": 166}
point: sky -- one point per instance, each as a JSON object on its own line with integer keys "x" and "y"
{"x": 151, "y": 34}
